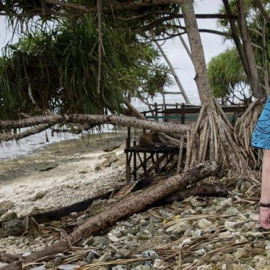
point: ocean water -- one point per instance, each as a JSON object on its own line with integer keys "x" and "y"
{"x": 12, "y": 149}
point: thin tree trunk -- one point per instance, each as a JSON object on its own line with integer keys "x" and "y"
{"x": 184, "y": 43}
{"x": 197, "y": 53}
{"x": 236, "y": 39}
{"x": 254, "y": 79}
{"x": 128, "y": 206}
{"x": 182, "y": 90}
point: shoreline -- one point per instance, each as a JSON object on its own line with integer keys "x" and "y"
{"x": 62, "y": 173}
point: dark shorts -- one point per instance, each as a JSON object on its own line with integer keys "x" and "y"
{"x": 261, "y": 133}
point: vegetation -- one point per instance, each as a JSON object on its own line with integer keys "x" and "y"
{"x": 57, "y": 70}
{"x": 227, "y": 72}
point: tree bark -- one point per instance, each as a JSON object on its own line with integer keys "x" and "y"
{"x": 236, "y": 39}
{"x": 128, "y": 206}
{"x": 254, "y": 77}
{"x": 197, "y": 53}
{"x": 125, "y": 121}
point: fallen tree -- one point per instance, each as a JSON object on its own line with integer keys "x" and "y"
{"x": 40, "y": 123}
{"x": 132, "y": 204}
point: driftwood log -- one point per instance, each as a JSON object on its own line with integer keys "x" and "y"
{"x": 126, "y": 207}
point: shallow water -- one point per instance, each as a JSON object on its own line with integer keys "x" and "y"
{"x": 12, "y": 149}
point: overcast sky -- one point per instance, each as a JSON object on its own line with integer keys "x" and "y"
{"x": 213, "y": 45}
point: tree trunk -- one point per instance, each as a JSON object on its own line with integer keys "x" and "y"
{"x": 212, "y": 136}
{"x": 128, "y": 206}
{"x": 236, "y": 39}
{"x": 254, "y": 77}
{"x": 125, "y": 121}
{"x": 197, "y": 54}
{"x": 182, "y": 90}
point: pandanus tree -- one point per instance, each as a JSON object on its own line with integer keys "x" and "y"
{"x": 246, "y": 66}
{"x": 212, "y": 135}
{"x": 56, "y": 70}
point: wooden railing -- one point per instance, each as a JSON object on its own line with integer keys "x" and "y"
{"x": 184, "y": 114}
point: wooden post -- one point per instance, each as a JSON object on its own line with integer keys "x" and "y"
{"x": 156, "y": 111}
{"x": 183, "y": 107}
{"x": 134, "y": 162}
{"x": 128, "y": 176}
{"x": 144, "y": 115}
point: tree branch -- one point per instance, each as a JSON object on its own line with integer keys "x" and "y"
{"x": 24, "y": 134}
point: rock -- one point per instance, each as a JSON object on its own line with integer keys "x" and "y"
{"x": 119, "y": 267}
{"x": 159, "y": 264}
{"x": 26, "y": 254}
{"x": 60, "y": 257}
{"x": 225, "y": 203}
{"x": 91, "y": 256}
{"x": 14, "y": 227}
{"x": 204, "y": 267}
{"x": 241, "y": 253}
{"x": 204, "y": 224}
{"x": 231, "y": 211}
{"x": 254, "y": 234}
{"x": 267, "y": 247}
{"x": 239, "y": 267}
{"x": 100, "y": 241}
{"x": 107, "y": 256}
{"x": 113, "y": 238}
{"x": 200, "y": 252}
{"x": 124, "y": 252}
{"x": 5, "y": 206}
{"x": 144, "y": 235}
{"x": 141, "y": 267}
{"x": 196, "y": 203}
{"x": 179, "y": 227}
{"x": 230, "y": 225}
{"x": 150, "y": 253}
{"x": 41, "y": 267}
{"x": 197, "y": 233}
{"x": 68, "y": 267}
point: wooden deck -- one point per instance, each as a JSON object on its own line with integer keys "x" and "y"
{"x": 143, "y": 162}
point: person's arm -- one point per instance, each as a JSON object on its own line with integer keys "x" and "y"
{"x": 264, "y": 217}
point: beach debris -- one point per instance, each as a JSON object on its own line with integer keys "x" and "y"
{"x": 132, "y": 204}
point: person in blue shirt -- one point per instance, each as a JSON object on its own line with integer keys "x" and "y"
{"x": 261, "y": 139}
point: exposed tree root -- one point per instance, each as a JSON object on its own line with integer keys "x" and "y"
{"x": 243, "y": 131}
{"x": 212, "y": 138}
